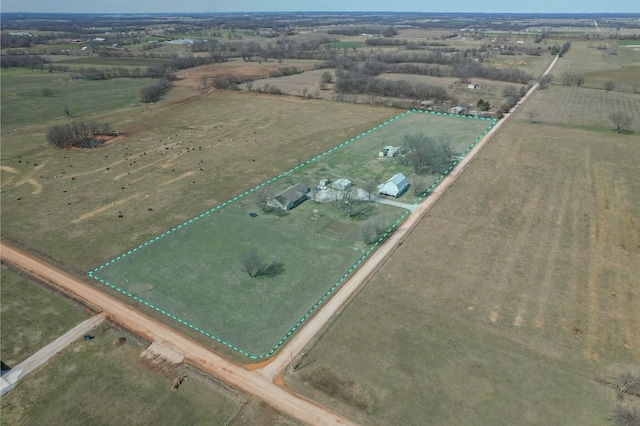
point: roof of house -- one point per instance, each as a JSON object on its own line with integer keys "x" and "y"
{"x": 292, "y": 194}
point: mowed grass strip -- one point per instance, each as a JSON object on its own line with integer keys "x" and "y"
{"x": 193, "y": 272}
{"x": 32, "y": 316}
{"x": 510, "y": 300}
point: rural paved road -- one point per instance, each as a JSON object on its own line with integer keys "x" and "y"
{"x": 43, "y": 355}
{"x": 259, "y": 382}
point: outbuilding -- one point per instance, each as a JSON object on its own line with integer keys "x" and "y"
{"x": 341, "y": 184}
{"x": 395, "y": 187}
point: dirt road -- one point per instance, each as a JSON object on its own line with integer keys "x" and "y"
{"x": 152, "y": 330}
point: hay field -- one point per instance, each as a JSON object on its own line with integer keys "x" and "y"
{"x": 576, "y": 106}
{"x": 509, "y": 300}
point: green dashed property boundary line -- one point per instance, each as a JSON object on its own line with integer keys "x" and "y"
{"x": 300, "y": 322}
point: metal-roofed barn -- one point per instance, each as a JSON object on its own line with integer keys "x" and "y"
{"x": 395, "y": 187}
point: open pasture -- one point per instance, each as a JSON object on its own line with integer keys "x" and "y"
{"x": 32, "y": 316}
{"x": 192, "y": 273}
{"x": 574, "y": 106}
{"x": 174, "y": 159}
{"x": 24, "y": 106}
{"x": 509, "y": 300}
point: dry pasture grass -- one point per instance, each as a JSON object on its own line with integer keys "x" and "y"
{"x": 511, "y": 297}
{"x": 582, "y": 107}
{"x": 337, "y": 386}
{"x": 175, "y": 159}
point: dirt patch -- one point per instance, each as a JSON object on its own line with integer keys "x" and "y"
{"x": 338, "y": 387}
{"x": 161, "y": 358}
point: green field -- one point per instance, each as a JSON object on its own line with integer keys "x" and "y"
{"x": 348, "y": 44}
{"x": 96, "y": 383}
{"x": 32, "y": 316}
{"x": 24, "y": 106}
{"x": 192, "y": 273}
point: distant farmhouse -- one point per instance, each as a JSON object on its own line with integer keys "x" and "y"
{"x": 290, "y": 197}
{"x": 394, "y": 187}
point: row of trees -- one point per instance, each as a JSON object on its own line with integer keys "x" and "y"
{"x": 74, "y": 134}
{"x": 349, "y": 82}
{"x": 23, "y": 61}
{"x": 154, "y": 92}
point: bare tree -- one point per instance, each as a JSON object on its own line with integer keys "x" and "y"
{"x": 625, "y": 416}
{"x": 262, "y": 197}
{"x": 372, "y": 228}
{"x": 251, "y": 263}
{"x": 628, "y": 383}
{"x": 419, "y": 185}
{"x": 609, "y": 86}
{"x": 531, "y": 114}
{"x": 545, "y": 81}
{"x": 620, "y": 120}
{"x": 371, "y": 188}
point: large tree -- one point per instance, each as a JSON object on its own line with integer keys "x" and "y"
{"x": 620, "y": 120}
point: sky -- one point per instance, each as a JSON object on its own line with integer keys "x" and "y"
{"x": 210, "y": 6}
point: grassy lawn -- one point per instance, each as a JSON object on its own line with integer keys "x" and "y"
{"x": 97, "y": 383}
{"x": 192, "y": 273}
{"x": 32, "y": 316}
{"x": 509, "y": 300}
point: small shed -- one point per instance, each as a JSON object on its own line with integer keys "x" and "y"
{"x": 290, "y": 197}
{"x": 341, "y": 184}
{"x": 395, "y": 187}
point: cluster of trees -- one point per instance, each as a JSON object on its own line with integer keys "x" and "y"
{"x": 23, "y": 61}
{"x": 353, "y": 82}
{"x": 465, "y": 68}
{"x": 74, "y": 134}
{"x": 560, "y": 50}
{"x": 154, "y": 92}
{"x": 571, "y": 79}
{"x": 386, "y": 31}
{"x": 373, "y": 228}
{"x": 283, "y": 48}
{"x": 427, "y": 155}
